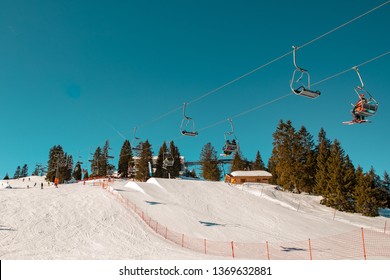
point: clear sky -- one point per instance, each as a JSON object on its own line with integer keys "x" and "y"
{"x": 75, "y": 73}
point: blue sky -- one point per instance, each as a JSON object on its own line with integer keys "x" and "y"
{"x": 75, "y": 73}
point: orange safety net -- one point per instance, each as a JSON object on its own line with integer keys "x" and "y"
{"x": 358, "y": 244}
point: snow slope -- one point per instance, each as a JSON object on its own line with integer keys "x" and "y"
{"x": 249, "y": 213}
{"x": 79, "y": 221}
{"x": 74, "y": 222}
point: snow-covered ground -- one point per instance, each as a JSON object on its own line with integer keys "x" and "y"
{"x": 77, "y": 221}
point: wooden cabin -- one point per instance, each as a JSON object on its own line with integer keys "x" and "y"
{"x": 241, "y": 177}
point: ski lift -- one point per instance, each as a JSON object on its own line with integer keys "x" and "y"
{"x": 231, "y": 142}
{"x": 131, "y": 170}
{"x": 369, "y": 105}
{"x": 187, "y": 123}
{"x": 168, "y": 160}
{"x": 302, "y": 89}
{"x": 136, "y": 144}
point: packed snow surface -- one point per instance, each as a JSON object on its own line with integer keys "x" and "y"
{"x": 77, "y": 221}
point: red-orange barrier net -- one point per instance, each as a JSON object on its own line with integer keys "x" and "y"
{"x": 359, "y": 244}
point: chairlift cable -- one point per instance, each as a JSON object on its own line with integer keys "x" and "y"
{"x": 266, "y": 64}
{"x": 344, "y": 24}
{"x": 161, "y": 116}
{"x": 287, "y": 95}
{"x": 349, "y": 69}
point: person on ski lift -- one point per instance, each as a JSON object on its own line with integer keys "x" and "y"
{"x": 358, "y": 107}
{"x": 228, "y": 144}
{"x": 227, "y": 148}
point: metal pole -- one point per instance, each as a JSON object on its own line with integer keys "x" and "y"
{"x": 364, "y": 245}
{"x": 267, "y": 249}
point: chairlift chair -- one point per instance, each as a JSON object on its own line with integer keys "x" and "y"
{"x": 370, "y": 105}
{"x": 187, "y": 126}
{"x": 231, "y": 142}
{"x": 302, "y": 90}
{"x": 136, "y": 144}
{"x": 168, "y": 160}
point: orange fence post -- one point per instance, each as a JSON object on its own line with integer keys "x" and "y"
{"x": 205, "y": 246}
{"x": 232, "y": 249}
{"x": 182, "y": 240}
{"x": 266, "y": 244}
{"x": 143, "y": 216}
{"x": 364, "y": 245}
{"x": 311, "y": 256}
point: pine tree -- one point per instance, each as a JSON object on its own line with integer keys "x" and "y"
{"x": 271, "y": 167}
{"x": 323, "y": 152}
{"x": 77, "y": 172}
{"x": 258, "y": 164}
{"x": 95, "y": 163}
{"x": 281, "y": 162}
{"x": 67, "y": 173}
{"x": 65, "y": 166}
{"x": 39, "y": 170}
{"x": 238, "y": 163}
{"x": 304, "y": 161}
{"x": 360, "y": 192}
{"x": 161, "y": 172}
{"x": 209, "y": 163}
{"x": 386, "y": 186}
{"x": 142, "y": 164}
{"x": 17, "y": 173}
{"x": 105, "y": 168}
{"x": 57, "y": 159}
{"x": 175, "y": 169}
{"x": 24, "y": 172}
{"x": 386, "y": 180}
{"x": 6, "y": 177}
{"x": 36, "y": 170}
{"x": 335, "y": 194}
{"x": 349, "y": 184}
{"x": 369, "y": 196}
{"x": 86, "y": 175}
{"x": 126, "y": 160}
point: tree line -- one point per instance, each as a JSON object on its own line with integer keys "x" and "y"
{"x": 298, "y": 165}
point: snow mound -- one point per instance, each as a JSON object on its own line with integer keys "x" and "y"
{"x": 134, "y": 186}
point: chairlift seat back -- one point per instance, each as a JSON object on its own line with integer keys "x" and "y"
{"x": 229, "y": 148}
{"x": 369, "y": 109}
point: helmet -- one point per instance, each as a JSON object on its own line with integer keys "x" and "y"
{"x": 362, "y": 95}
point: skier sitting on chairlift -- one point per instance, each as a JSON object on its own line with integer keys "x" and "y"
{"x": 228, "y": 148}
{"x": 358, "y": 107}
